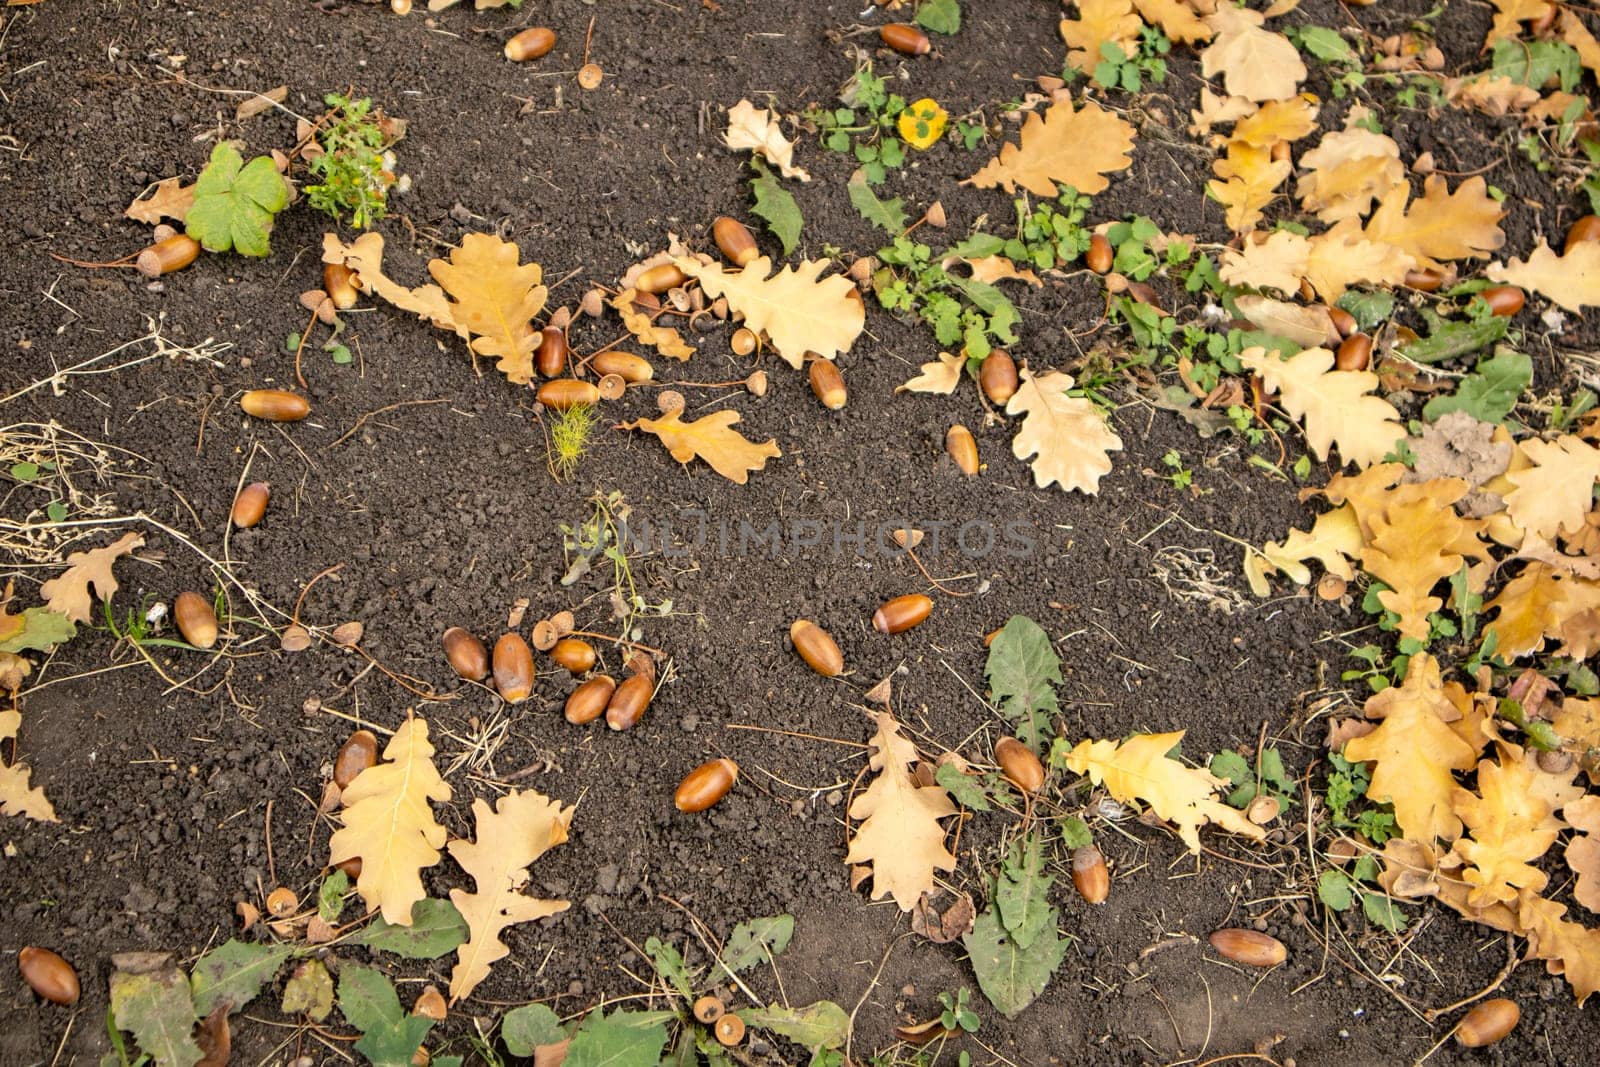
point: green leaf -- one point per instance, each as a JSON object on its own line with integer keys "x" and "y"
{"x": 366, "y": 998}
{"x": 815, "y": 1026}
{"x": 393, "y": 1043}
{"x": 330, "y": 895}
{"x": 42, "y": 630}
{"x": 752, "y": 941}
{"x": 1022, "y": 664}
{"x": 436, "y": 928}
{"x": 1012, "y": 977}
{"x": 309, "y": 991}
{"x": 1326, "y": 44}
{"x": 1075, "y": 832}
{"x": 1451, "y": 339}
{"x": 1368, "y": 309}
{"x": 56, "y": 511}
{"x": 234, "y": 974}
{"x": 1334, "y": 890}
{"x": 888, "y": 215}
{"x": 940, "y": 16}
{"x": 526, "y": 1028}
{"x": 153, "y": 1003}
{"x": 234, "y": 202}
{"x": 967, "y": 789}
{"x": 1490, "y": 392}
{"x": 621, "y": 1039}
{"x": 775, "y": 206}
{"x": 669, "y": 966}
{"x": 1383, "y": 912}
{"x": 25, "y": 471}
{"x": 1236, "y": 769}
{"x": 1021, "y": 895}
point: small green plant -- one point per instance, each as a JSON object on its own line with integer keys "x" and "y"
{"x": 1116, "y": 70}
{"x": 1340, "y": 889}
{"x": 865, "y": 124}
{"x": 1181, "y": 477}
{"x": 569, "y": 439}
{"x": 1347, "y": 784}
{"x": 235, "y": 202}
{"x": 957, "y": 1015}
{"x": 353, "y": 175}
{"x": 957, "y": 309}
{"x": 1268, "y": 778}
{"x": 1048, "y": 237}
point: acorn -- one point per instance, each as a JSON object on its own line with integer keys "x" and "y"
{"x": 552, "y": 357}
{"x": 817, "y": 647}
{"x": 165, "y": 256}
{"x": 1504, "y": 300}
{"x": 430, "y": 1004}
{"x": 660, "y": 278}
{"x": 275, "y": 405}
{"x": 341, "y": 285}
{"x": 196, "y": 621}
{"x": 1585, "y": 229}
{"x": 734, "y": 240}
{"x": 963, "y": 448}
{"x": 1343, "y": 321}
{"x": 729, "y": 1030}
{"x": 48, "y": 975}
{"x": 828, "y": 384}
{"x": 281, "y": 902}
{"x": 1098, "y": 257}
{"x": 351, "y": 867}
{"x": 627, "y": 705}
{"x": 564, "y": 393}
{"x": 1250, "y": 947}
{"x": 901, "y": 614}
{"x": 625, "y": 365}
{"x": 250, "y": 505}
{"x": 588, "y": 702}
{"x": 1355, "y": 352}
{"x": 1089, "y": 875}
{"x": 532, "y": 43}
{"x": 1019, "y": 764}
{"x": 905, "y": 38}
{"x": 466, "y": 654}
{"x": 704, "y": 786}
{"x": 708, "y": 1009}
{"x": 513, "y": 668}
{"x": 998, "y": 376}
{"x": 575, "y": 655}
{"x": 359, "y": 752}
{"x": 1425, "y": 281}
{"x": 743, "y": 341}
{"x": 1488, "y": 1022}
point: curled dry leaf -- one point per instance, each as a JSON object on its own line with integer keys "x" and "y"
{"x": 938, "y": 376}
{"x": 943, "y": 926}
{"x": 68, "y": 592}
{"x": 170, "y": 200}
{"x": 756, "y": 129}
{"x": 663, "y": 339}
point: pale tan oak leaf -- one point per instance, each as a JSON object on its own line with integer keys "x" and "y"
{"x": 518, "y": 829}
{"x": 1555, "y": 492}
{"x": 940, "y": 376}
{"x": 1509, "y": 13}
{"x": 1067, "y": 438}
{"x": 1099, "y": 22}
{"x": 1571, "y": 280}
{"x": 1270, "y": 261}
{"x": 364, "y": 255}
{"x": 1583, "y": 851}
{"x": 495, "y": 297}
{"x": 1348, "y": 170}
{"x": 1568, "y": 948}
{"x": 1343, "y": 257}
{"x": 1278, "y": 122}
{"x": 1338, "y": 407}
{"x": 756, "y": 129}
{"x": 17, "y": 795}
{"x": 1255, "y": 63}
{"x": 898, "y": 833}
{"x": 170, "y": 200}
{"x": 1217, "y": 110}
{"x": 68, "y": 592}
{"x": 712, "y": 439}
{"x": 1416, "y": 542}
{"x": 799, "y": 310}
{"x": 389, "y": 825}
{"x": 1333, "y": 540}
{"x": 1074, "y": 147}
{"x": 1509, "y": 826}
{"x": 664, "y": 339}
{"x": 1176, "y": 19}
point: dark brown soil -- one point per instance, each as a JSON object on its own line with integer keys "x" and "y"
{"x": 443, "y": 514}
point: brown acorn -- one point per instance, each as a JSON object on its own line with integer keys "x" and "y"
{"x": 532, "y": 43}
{"x": 1504, "y": 300}
{"x": 466, "y": 654}
{"x": 627, "y": 705}
{"x": 575, "y": 655}
{"x": 1343, "y": 321}
{"x": 552, "y": 356}
{"x": 1089, "y": 875}
{"x": 341, "y": 285}
{"x": 1098, "y": 257}
{"x": 625, "y": 365}
{"x": 998, "y": 376}
{"x": 563, "y": 393}
{"x": 735, "y": 240}
{"x": 1355, "y": 352}
{"x": 275, "y": 405}
{"x": 588, "y": 702}
{"x": 359, "y": 752}
{"x": 48, "y": 975}
{"x": 817, "y": 647}
{"x": 1019, "y": 764}
{"x": 704, "y": 786}
{"x": 828, "y": 384}
{"x": 905, "y": 38}
{"x": 660, "y": 278}
{"x": 963, "y": 448}
{"x": 351, "y": 867}
{"x": 250, "y": 505}
{"x": 1585, "y": 229}
{"x": 167, "y": 255}
{"x": 1426, "y": 281}
{"x": 901, "y": 614}
{"x": 196, "y": 621}
{"x": 1250, "y": 947}
{"x": 1488, "y": 1022}
{"x": 513, "y": 668}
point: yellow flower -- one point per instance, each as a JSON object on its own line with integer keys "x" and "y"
{"x": 922, "y": 123}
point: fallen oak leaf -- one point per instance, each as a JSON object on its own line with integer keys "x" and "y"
{"x": 496, "y": 297}
{"x": 799, "y": 311}
{"x": 756, "y": 129}
{"x": 1510, "y": 825}
{"x": 1255, "y": 63}
{"x": 940, "y": 376}
{"x": 1555, "y": 492}
{"x": 1338, "y": 407}
{"x": 68, "y": 592}
{"x": 1075, "y": 147}
{"x": 1416, "y": 542}
{"x": 1583, "y": 851}
{"x": 1176, "y": 19}
{"x": 1439, "y": 224}
{"x": 1247, "y": 181}
{"x": 364, "y": 255}
{"x": 712, "y": 439}
{"x": 1349, "y": 169}
{"x": 1067, "y": 439}
{"x": 1568, "y": 948}
{"x": 170, "y": 200}
{"x": 899, "y": 835}
{"x": 1571, "y": 280}
{"x": 1099, "y": 23}
{"x": 1334, "y": 540}
{"x": 663, "y": 339}
{"x": 17, "y": 795}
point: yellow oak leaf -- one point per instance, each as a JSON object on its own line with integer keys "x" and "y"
{"x": 389, "y": 825}
{"x": 1176, "y": 19}
{"x": 521, "y": 827}
{"x": 1511, "y": 824}
{"x": 1509, "y": 13}
{"x": 1367, "y": 493}
{"x": 495, "y": 298}
{"x": 1578, "y": 720}
{"x": 1555, "y": 492}
{"x": 364, "y": 255}
{"x": 1100, "y": 22}
{"x": 1343, "y": 257}
{"x": 1490, "y": 94}
{"x": 940, "y": 376}
{"x": 1439, "y": 225}
{"x": 1334, "y": 540}
{"x": 1255, "y": 63}
{"x": 1416, "y": 543}
{"x": 1583, "y": 851}
{"x": 756, "y": 129}
{"x": 1272, "y": 261}
{"x": 1544, "y": 602}
{"x": 991, "y": 269}
{"x": 1139, "y": 769}
{"x": 1414, "y": 753}
{"x": 1568, "y": 948}
{"x": 1338, "y": 406}
{"x": 17, "y": 795}
{"x": 1415, "y": 870}
{"x": 1575, "y": 33}
{"x": 1571, "y": 280}
{"x": 1067, "y": 437}
{"x": 1305, "y": 324}
{"x": 712, "y": 439}
{"x": 1215, "y": 110}
{"x": 68, "y": 592}
{"x": 1349, "y": 169}
{"x": 170, "y": 200}
{"x": 1077, "y": 148}
{"x": 663, "y": 339}
{"x": 798, "y": 311}
{"x": 899, "y": 836}
{"x": 1247, "y": 181}
{"x": 1278, "y": 121}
